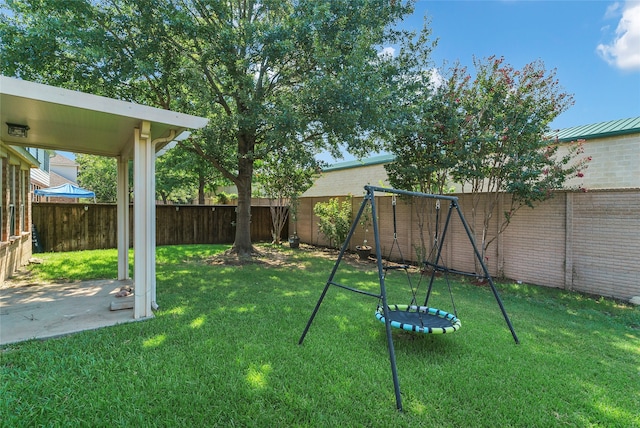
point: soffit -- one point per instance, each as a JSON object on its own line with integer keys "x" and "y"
{"x": 60, "y": 119}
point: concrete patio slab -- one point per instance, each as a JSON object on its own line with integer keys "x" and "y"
{"x": 39, "y": 311}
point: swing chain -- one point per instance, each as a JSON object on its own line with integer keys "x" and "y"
{"x": 395, "y": 232}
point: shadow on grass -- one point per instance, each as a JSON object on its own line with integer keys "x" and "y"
{"x": 223, "y": 350}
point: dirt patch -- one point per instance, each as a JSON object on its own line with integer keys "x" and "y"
{"x": 274, "y": 256}
{"x": 264, "y": 255}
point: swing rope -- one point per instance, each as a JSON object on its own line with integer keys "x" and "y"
{"x": 436, "y": 256}
{"x": 404, "y": 266}
{"x": 424, "y": 315}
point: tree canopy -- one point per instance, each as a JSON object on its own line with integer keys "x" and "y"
{"x": 100, "y": 175}
{"x": 183, "y": 177}
{"x": 281, "y": 80}
{"x": 489, "y": 134}
{"x": 304, "y": 74}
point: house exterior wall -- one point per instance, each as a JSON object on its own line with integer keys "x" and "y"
{"x": 39, "y": 179}
{"x": 15, "y": 210}
{"x": 13, "y": 255}
{"x": 64, "y": 167}
{"x": 615, "y": 164}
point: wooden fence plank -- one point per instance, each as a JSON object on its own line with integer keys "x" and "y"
{"x": 71, "y": 227}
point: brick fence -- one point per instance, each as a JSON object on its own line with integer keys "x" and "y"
{"x": 588, "y": 242}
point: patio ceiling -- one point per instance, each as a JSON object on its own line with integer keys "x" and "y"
{"x": 61, "y": 119}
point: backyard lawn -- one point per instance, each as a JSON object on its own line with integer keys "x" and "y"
{"x": 223, "y": 351}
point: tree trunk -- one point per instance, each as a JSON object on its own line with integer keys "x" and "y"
{"x": 200, "y": 189}
{"x": 242, "y": 245}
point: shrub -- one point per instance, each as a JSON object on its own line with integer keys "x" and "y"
{"x": 334, "y": 219}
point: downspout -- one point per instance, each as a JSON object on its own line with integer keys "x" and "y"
{"x": 154, "y": 143}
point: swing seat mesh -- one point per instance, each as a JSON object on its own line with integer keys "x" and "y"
{"x": 419, "y": 319}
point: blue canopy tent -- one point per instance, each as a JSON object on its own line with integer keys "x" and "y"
{"x": 66, "y": 191}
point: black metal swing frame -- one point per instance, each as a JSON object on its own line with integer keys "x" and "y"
{"x": 369, "y": 198}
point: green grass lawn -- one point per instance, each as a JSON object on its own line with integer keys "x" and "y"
{"x": 223, "y": 351}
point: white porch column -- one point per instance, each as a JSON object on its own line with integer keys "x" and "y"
{"x": 123, "y": 218}
{"x": 152, "y": 224}
{"x": 144, "y": 218}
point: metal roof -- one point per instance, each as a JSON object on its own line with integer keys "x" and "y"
{"x": 374, "y": 160}
{"x": 584, "y": 132}
{"x": 599, "y": 130}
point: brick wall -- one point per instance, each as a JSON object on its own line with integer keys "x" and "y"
{"x": 614, "y": 163}
{"x": 588, "y": 242}
{"x": 13, "y": 255}
{"x": 348, "y": 181}
{"x": 15, "y": 243}
{"x": 606, "y": 243}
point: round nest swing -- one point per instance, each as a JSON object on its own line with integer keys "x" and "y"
{"x": 420, "y": 319}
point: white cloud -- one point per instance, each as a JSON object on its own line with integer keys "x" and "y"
{"x": 613, "y": 11}
{"x": 435, "y": 78}
{"x": 388, "y": 51}
{"x": 624, "y": 50}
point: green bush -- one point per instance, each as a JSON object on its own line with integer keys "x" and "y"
{"x": 334, "y": 219}
{"x": 225, "y": 198}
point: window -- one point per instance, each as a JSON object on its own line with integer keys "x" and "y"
{"x": 2, "y": 194}
{"x": 12, "y": 200}
{"x": 23, "y": 200}
{"x": 12, "y": 219}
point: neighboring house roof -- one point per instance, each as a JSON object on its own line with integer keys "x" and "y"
{"x": 64, "y": 167}
{"x": 374, "y": 160}
{"x": 61, "y": 161}
{"x": 601, "y": 129}
{"x": 610, "y": 128}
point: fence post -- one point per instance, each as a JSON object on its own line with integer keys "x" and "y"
{"x": 568, "y": 241}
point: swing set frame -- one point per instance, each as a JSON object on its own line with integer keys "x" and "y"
{"x": 369, "y": 198}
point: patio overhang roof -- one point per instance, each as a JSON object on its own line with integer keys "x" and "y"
{"x": 61, "y": 119}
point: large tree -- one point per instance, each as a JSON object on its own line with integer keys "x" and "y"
{"x": 180, "y": 176}
{"x": 301, "y": 73}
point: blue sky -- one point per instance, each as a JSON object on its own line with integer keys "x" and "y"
{"x": 593, "y": 45}
{"x": 597, "y": 58}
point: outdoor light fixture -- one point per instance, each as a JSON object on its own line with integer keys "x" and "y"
{"x": 16, "y": 130}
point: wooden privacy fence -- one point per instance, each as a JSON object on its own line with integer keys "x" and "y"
{"x": 72, "y": 227}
